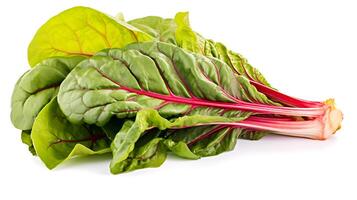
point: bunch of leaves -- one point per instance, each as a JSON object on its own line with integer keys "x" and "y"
{"x": 153, "y": 87}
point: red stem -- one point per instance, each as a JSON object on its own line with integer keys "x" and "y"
{"x": 237, "y": 105}
{"x": 283, "y": 98}
{"x": 241, "y": 105}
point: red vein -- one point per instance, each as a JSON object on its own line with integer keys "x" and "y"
{"x": 292, "y": 101}
{"x": 159, "y": 70}
{"x": 206, "y": 135}
{"x": 220, "y": 86}
{"x": 178, "y": 74}
{"x": 240, "y": 105}
{"x": 92, "y": 138}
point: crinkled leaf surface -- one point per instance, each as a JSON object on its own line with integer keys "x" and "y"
{"x": 149, "y": 151}
{"x": 207, "y": 140}
{"x": 125, "y": 141}
{"x": 37, "y": 87}
{"x": 179, "y": 32}
{"x": 56, "y": 139}
{"x": 81, "y": 31}
{"x": 152, "y": 75}
{"x": 167, "y": 79}
{"x": 159, "y": 28}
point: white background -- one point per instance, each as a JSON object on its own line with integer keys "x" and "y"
{"x": 305, "y": 48}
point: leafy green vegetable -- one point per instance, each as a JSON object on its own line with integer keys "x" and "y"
{"x": 37, "y": 87}
{"x": 81, "y": 31}
{"x": 56, "y": 139}
{"x": 125, "y": 141}
{"x": 206, "y": 140}
{"x": 149, "y": 151}
{"x": 178, "y": 93}
{"x": 159, "y": 28}
{"x": 150, "y": 75}
{"x": 178, "y": 31}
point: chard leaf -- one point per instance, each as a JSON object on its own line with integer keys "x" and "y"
{"x": 55, "y": 139}
{"x": 160, "y": 76}
{"x": 205, "y": 141}
{"x": 26, "y": 139}
{"x": 185, "y": 36}
{"x": 81, "y": 31}
{"x": 180, "y": 149}
{"x": 125, "y": 141}
{"x": 179, "y": 32}
{"x": 149, "y": 151}
{"x": 159, "y": 28}
{"x": 252, "y": 135}
{"x": 37, "y": 87}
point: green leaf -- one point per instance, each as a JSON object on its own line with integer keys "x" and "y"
{"x": 81, "y": 31}
{"x": 252, "y": 135}
{"x": 159, "y": 28}
{"x": 219, "y": 142}
{"x": 151, "y": 75}
{"x": 26, "y": 139}
{"x": 207, "y": 140}
{"x": 125, "y": 141}
{"x": 55, "y": 139}
{"x": 239, "y": 63}
{"x": 149, "y": 151}
{"x": 185, "y": 36}
{"x": 180, "y": 149}
{"x": 37, "y": 87}
{"x": 179, "y": 32}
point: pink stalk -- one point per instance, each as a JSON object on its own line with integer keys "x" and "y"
{"x": 319, "y": 128}
{"x": 324, "y": 118}
{"x": 300, "y": 118}
{"x": 288, "y": 100}
{"x": 239, "y": 105}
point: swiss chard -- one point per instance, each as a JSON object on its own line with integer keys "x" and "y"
{"x": 37, "y": 87}
{"x": 124, "y": 83}
{"x": 179, "y": 32}
{"x": 179, "y": 93}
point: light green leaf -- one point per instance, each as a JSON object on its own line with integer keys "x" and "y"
{"x": 81, "y": 31}
{"x": 180, "y": 149}
{"x": 151, "y": 75}
{"x": 37, "y": 87}
{"x": 186, "y": 38}
{"x": 159, "y": 28}
{"x": 55, "y": 139}
{"x": 179, "y": 32}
